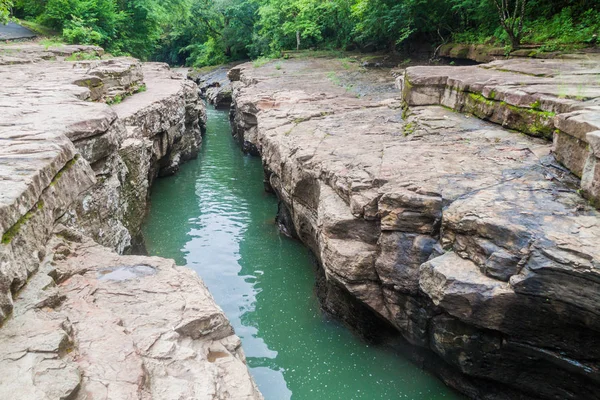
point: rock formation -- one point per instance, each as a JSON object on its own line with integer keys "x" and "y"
{"x": 93, "y": 324}
{"x": 555, "y": 99}
{"x": 82, "y": 142}
{"x": 483, "y": 53}
{"x": 470, "y": 239}
{"x": 214, "y": 86}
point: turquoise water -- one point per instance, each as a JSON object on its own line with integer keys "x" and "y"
{"x": 215, "y": 217}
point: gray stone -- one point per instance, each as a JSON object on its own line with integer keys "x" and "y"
{"x": 76, "y": 321}
{"x": 553, "y": 99}
{"x": 440, "y": 223}
{"x": 101, "y": 339}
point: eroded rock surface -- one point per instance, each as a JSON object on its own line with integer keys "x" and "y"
{"x": 156, "y": 126}
{"x": 470, "y": 239}
{"x": 79, "y": 321}
{"x": 93, "y": 324}
{"x": 152, "y": 133}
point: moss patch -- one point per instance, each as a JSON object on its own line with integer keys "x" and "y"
{"x": 64, "y": 169}
{"x": 115, "y": 100}
{"x": 119, "y": 98}
{"x": 409, "y": 129}
{"x": 536, "y": 105}
{"x": 8, "y": 236}
{"x": 478, "y": 98}
{"x": 531, "y": 121}
{"x": 13, "y": 230}
{"x": 140, "y": 89}
{"x": 406, "y": 88}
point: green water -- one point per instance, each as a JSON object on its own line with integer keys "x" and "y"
{"x": 215, "y": 217}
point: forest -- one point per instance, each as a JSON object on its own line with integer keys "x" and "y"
{"x": 208, "y": 32}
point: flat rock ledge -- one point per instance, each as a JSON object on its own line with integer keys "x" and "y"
{"x": 80, "y": 145}
{"x": 469, "y": 239}
{"x": 483, "y": 53}
{"x": 555, "y": 99}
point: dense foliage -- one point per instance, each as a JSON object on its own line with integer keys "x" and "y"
{"x": 5, "y": 6}
{"x": 202, "y": 32}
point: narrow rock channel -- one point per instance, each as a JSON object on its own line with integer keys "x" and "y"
{"x": 215, "y": 217}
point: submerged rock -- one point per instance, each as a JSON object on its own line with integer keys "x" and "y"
{"x": 468, "y": 238}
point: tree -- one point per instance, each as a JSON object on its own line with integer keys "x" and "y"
{"x": 5, "y": 6}
{"x": 512, "y": 22}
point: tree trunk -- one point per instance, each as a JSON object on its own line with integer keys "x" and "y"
{"x": 515, "y": 43}
{"x": 512, "y": 23}
{"x": 297, "y": 40}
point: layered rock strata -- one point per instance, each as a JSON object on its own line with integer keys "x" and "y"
{"x": 483, "y": 53}
{"x": 469, "y": 239}
{"x": 555, "y": 99}
{"x": 26, "y": 53}
{"x": 148, "y": 135}
{"x": 80, "y": 321}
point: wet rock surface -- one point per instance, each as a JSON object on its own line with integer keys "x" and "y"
{"x": 79, "y": 321}
{"x": 470, "y": 239}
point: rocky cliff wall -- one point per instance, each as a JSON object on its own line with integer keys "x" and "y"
{"x": 469, "y": 239}
{"x": 80, "y": 145}
{"x": 149, "y": 135}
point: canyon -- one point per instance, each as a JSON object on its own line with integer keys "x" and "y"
{"x": 452, "y": 210}
{"x": 471, "y": 234}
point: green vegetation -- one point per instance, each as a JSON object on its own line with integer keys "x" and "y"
{"x": 80, "y": 56}
{"x": 409, "y": 129}
{"x": 5, "y": 6}
{"x": 208, "y": 32}
{"x": 39, "y": 28}
{"x": 64, "y": 169}
{"x": 118, "y": 99}
{"x": 334, "y": 78}
{"x": 260, "y": 61}
{"x": 532, "y": 121}
{"x": 8, "y": 236}
{"x": 141, "y": 88}
{"x": 51, "y": 42}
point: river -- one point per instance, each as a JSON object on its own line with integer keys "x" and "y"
{"x": 215, "y": 217}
